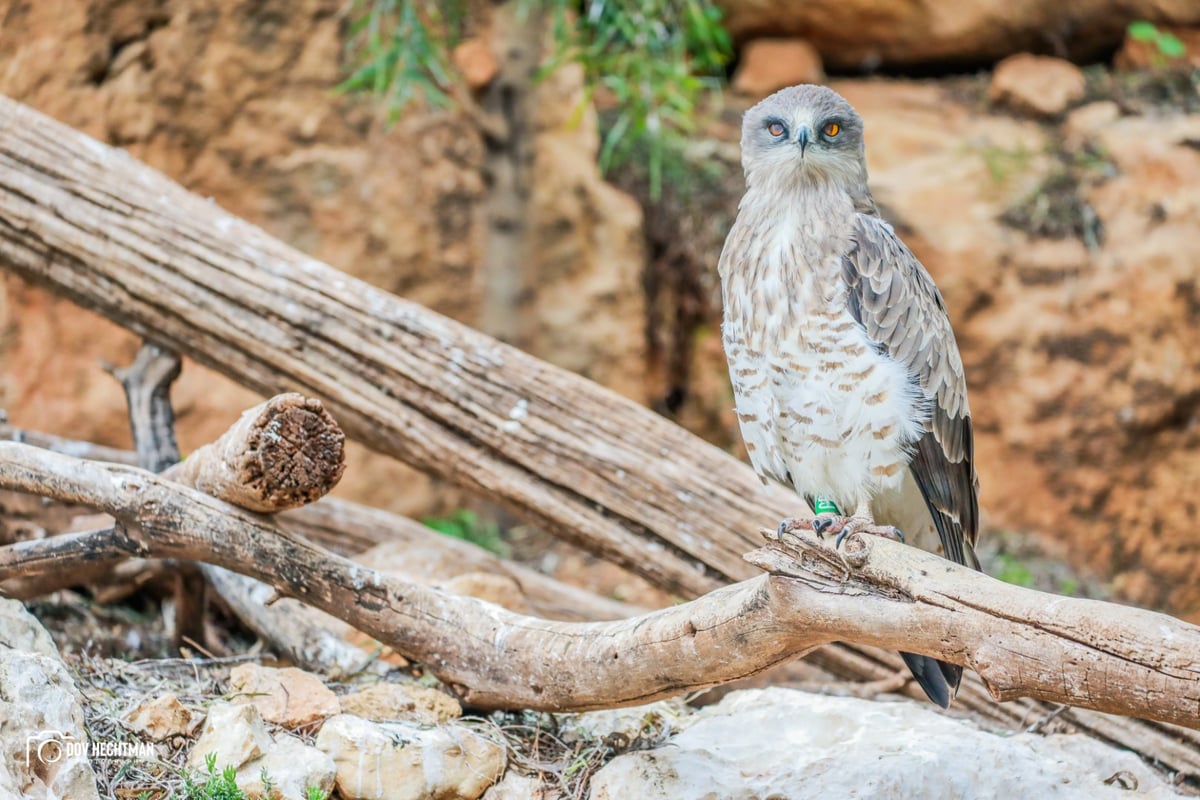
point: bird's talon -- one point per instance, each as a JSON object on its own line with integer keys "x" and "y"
{"x": 788, "y": 527}
{"x": 826, "y": 523}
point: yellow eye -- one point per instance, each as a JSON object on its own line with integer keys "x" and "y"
{"x": 831, "y": 129}
{"x": 776, "y": 129}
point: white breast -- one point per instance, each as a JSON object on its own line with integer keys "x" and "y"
{"x": 819, "y": 405}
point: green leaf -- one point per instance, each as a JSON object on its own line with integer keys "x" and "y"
{"x": 1142, "y": 31}
{"x": 1171, "y": 46}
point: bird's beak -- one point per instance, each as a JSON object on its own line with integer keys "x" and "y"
{"x": 802, "y": 140}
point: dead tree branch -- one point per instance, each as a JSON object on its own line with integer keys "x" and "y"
{"x": 581, "y": 461}
{"x": 349, "y": 528}
{"x": 281, "y": 454}
{"x": 880, "y": 593}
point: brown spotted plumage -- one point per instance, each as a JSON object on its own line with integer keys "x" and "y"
{"x": 846, "y": 375}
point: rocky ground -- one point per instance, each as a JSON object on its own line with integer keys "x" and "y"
{"x": 182, "y": 727}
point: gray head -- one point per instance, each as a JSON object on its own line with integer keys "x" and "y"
{"x": 804, "y": 134}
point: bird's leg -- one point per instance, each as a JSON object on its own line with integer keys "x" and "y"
{"x": 861, "y": 521}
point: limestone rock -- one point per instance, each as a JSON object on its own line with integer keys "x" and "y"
{"x": 1039, "y": 86}
{"x": 403, "y": 761}
{"x": 780, "y": 743}
{"x": 520, "y": 787}
{"x": 767, "y": 65}
{"x": 1084, "y": 122}
{"x": 161, "y": 717}
{"x": 234, "y": 733}
{"x": 624, "y": 723}
{"x": 43, "y": 746}
{"x": 289, "y": 697}
{"x": 20, "y": 631}
{"x": 853, "y": 34}
{"x": 292, "y": 767}
{"x": 400, "y": 701}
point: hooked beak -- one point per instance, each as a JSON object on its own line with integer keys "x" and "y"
{"x": 802, "y": 140}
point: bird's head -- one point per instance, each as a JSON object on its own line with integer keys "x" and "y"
{"x": 804, "y": 134}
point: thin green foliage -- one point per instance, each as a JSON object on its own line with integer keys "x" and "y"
{"x": 402, "y": 50}
{"x": 1167, "y": 44}
{"x": 214, "y": 785}
{"x": 468, "y": 526}
{"x": 657, "y": 59}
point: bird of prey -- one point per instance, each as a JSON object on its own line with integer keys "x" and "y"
{"x": 847, "y": 379}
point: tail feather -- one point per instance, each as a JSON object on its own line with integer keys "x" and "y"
{"x": 939, "y": 679}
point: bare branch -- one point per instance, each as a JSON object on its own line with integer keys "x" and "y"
{"x": 883, "y": 594}
{"x": 578, "y": 460}
{"x": 280, "y": 454}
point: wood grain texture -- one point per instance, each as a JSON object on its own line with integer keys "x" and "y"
{"x": 1021, "y": 642}
{"x": 118, "y": 237}
{"x": 591, "y": 466}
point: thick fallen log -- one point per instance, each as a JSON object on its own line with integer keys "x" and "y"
{"x": 1021, "y": 642}
{"x": 583, "y": 462}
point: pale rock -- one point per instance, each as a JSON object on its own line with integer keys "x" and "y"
{"x": 289, "y": 697}
{"x": 19, "y": 630}
{"x": 767, "y": 65}
{"x": 381, "y": 702}
{"x": 520, "y": 787}
{"x": 291, "y": 766}
{"x": 625, "y": 723}
{"x": 161, "y": 717}
{"x": 1039, "y": 86}
{"x": 475, "y": 62}
{"x": 234, "y": 733}
{"x": 40, "y": 714}
{"x": 1085, "y": 122}
{"x": 790, "y": 745}
{"x": 404, "y": 761}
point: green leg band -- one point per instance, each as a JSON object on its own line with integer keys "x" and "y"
{"x": 823, "y": 505}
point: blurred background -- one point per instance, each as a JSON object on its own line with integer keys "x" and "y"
{"x": 562, "y": 174}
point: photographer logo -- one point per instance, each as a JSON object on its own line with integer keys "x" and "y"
{"x": 50, "y": 747}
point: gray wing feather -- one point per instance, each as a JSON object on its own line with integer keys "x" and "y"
{"x": 897, "y": 302}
